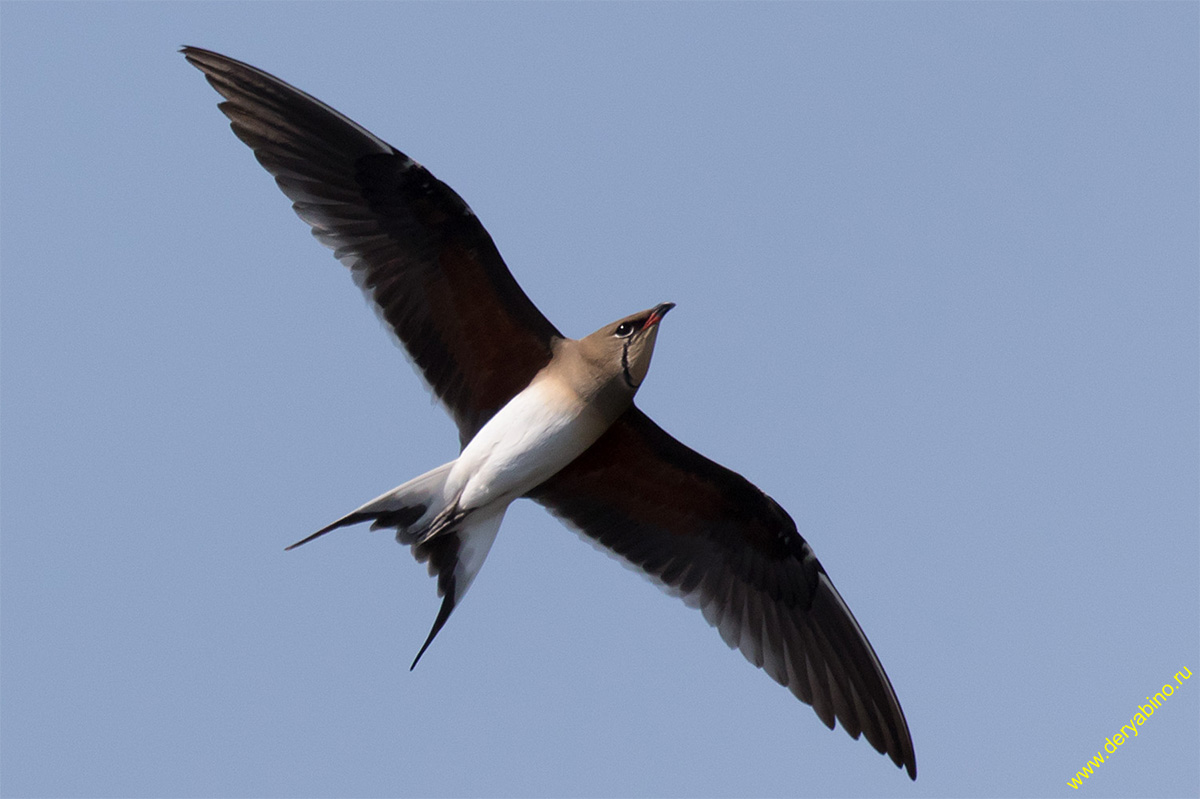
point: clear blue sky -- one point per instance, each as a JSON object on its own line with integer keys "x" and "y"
{"x": 936, "y": 268}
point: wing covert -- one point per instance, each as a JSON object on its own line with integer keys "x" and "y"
{"x": 708, "y": 535}
{"x": 414, "y": 247}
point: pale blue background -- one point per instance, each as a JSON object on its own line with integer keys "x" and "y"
{"x": 936, "y": 268}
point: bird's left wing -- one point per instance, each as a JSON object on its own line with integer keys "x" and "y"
{"x": 708, "y": 535}
{"x": 413, "y": 245}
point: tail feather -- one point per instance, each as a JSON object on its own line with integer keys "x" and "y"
{"x": 453, "y": 542}
{"x": 456, "y": 554}
{"x": 352, "y": 518}
{"x": 403, "y": 508}
{"x": 443, "y": 613}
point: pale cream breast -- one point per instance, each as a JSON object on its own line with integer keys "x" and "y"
{"x": 536, "y": 434}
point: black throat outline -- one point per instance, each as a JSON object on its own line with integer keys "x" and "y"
{"x": 625, "y": 366}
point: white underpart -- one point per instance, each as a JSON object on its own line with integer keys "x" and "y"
{"x": 477, "y": 536}
{"x": 530, "y": 439}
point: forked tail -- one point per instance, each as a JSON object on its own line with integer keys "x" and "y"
{"x": 407, "y": 508}
{"x": 453, "y": 542}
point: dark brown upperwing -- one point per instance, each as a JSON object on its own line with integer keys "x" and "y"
{"x": 413, "y": 245}
{"x": 710, "y": 536}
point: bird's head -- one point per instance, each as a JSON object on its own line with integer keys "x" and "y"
{"x": 621, "y": 350}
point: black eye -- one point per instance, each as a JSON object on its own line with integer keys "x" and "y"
{"x": 624, "y": 329}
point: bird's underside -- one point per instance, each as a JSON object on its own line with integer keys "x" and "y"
{"x": 556, "y": 414}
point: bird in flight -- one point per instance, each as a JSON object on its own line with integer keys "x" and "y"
{"x": 548, "y": 417}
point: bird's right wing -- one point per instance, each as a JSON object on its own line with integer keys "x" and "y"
{"x": 710, "y": 536}
{"x": 413, "y": 245}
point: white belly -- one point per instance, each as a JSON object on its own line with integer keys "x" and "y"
{"x": 536, "y": 434}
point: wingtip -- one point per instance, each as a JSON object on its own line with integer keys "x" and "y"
{"x": 190, "y": 53}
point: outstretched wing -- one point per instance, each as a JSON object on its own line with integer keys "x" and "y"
{"x": 710, "y": 536}
{"x": 413, "y": 245}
